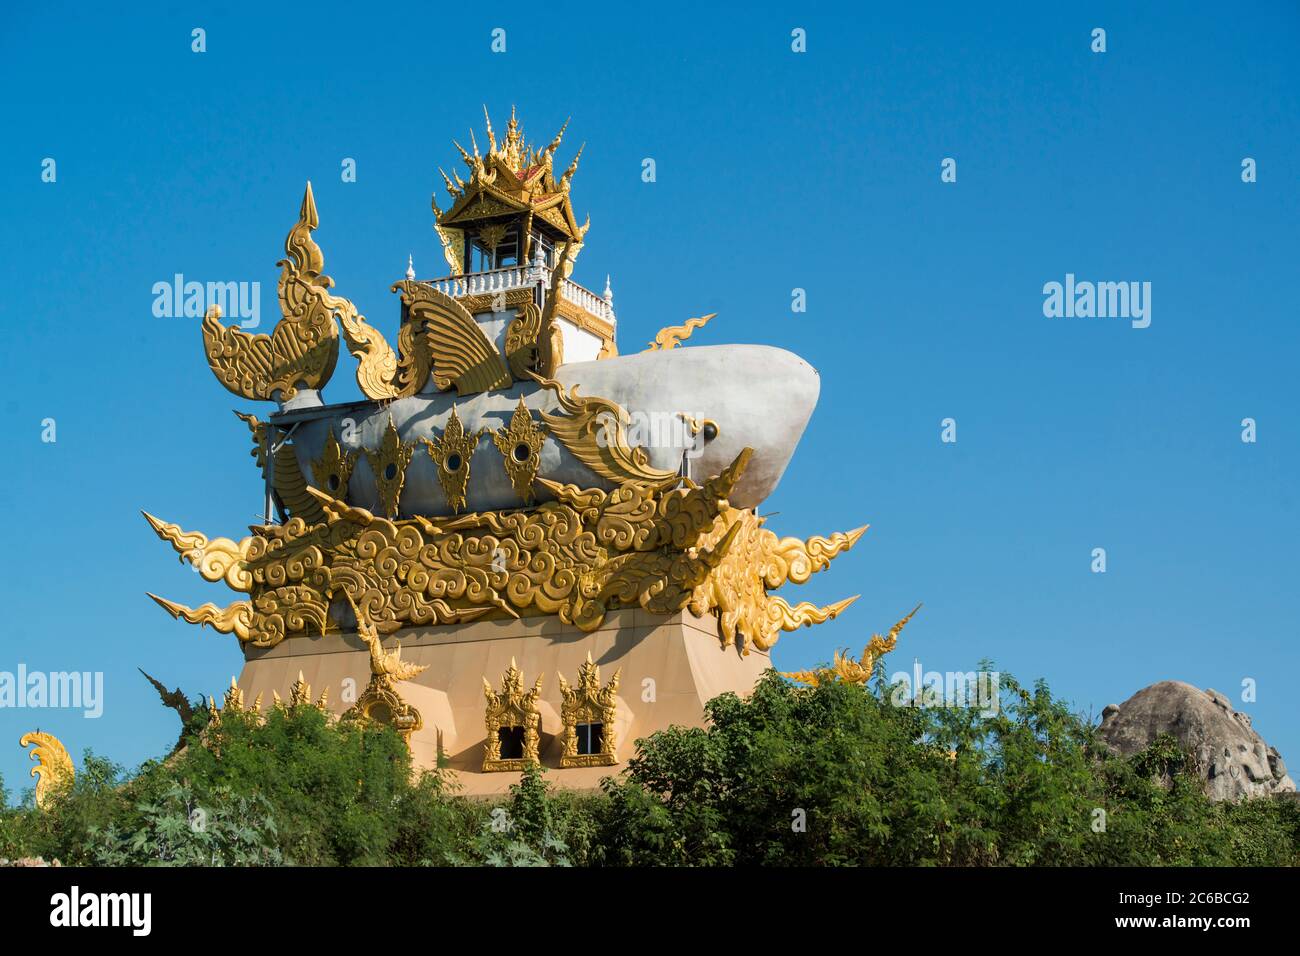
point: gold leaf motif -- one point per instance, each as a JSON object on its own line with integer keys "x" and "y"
{"x": 334, "y": 467}
{"x": 451, "y": 455}
{"x": 675, "y": 335}
{"x": 523, "y": 341}
{"x": 461, "y": 353}
{"x": 376, "y": 360}
{"x": 453, "y": 245}
{"x": 388, "y": 463}
{"x": 258, "y": 430}
{"x": 54, "y": 772}
{"x": 520, "y": 444}
{"x": 757, "y": 562}
{"x": 234, "y": 619}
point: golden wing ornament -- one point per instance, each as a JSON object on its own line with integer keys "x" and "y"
{"x": 303, "y": 348}
{"x": 461, "y": 354}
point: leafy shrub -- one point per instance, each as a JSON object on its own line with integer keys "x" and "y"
{"x": 833, "y": 775}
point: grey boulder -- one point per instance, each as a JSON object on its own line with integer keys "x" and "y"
{"x": 1234, "y": 761}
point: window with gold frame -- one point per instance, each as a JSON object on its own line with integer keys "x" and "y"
{"x": 588, "y": 712}
{"x": 513, "y": 723}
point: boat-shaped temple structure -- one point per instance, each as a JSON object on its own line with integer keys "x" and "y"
{"x": 522, "y": 546}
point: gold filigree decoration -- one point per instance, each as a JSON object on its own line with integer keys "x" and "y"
{"x": 664, "y": 547}
{"x": 54, "y": 772}
{"x": 332, "y": 470}
{"x": 675, "y": 335}
{"x": 451, "y": 455}
{"x": 845, "y": 668}
{"x": 303, "y": 348}
{"x": 493, "y": 235}
{"x": 388, "y": 463}
{"x": 377, "y": 364}
{"x": 381, "y": 701}
{"x": 215, "y": 560}
{"x": 589, "y": 704}
{"x": 513, "y": 711}
{"x": 520, "y": 444}
{"x": 758, "y": 562}
{"x": 594, "y": 430}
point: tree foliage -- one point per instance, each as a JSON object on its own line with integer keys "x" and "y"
{"x": 838, "y": 774}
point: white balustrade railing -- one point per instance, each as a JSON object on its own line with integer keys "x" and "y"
{"x": 520, "y": 277}
{"x": 483, "y": 283}
{"x": 587, "y": 300}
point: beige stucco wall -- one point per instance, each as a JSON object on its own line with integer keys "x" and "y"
{"x": 670, "y": 668}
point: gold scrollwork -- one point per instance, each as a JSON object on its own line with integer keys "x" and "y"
{"x": 451, "y": 455}
{"x": 594, "y": 708}
{"x": 594, "y": 430}
{"x": 663, "y": 547}
{"x": 520, "y": 444}
{"x": 512, "y": 718}
{"x": 388, "y": 463}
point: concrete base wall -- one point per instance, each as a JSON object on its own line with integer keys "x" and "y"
{"x": 670, "y": 668}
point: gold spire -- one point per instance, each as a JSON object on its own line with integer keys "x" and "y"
{"x": 573, "y": 168}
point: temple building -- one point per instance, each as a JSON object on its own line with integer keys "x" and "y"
{"x": 521, "y": 546}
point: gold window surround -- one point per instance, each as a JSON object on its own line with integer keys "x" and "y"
{"x": 589, "y": 703}
{"x": 512, "y": 707}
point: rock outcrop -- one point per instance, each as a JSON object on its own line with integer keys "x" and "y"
{"x": 1233, "y": 759}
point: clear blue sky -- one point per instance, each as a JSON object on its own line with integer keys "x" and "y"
{"x": 775, "y": 170}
